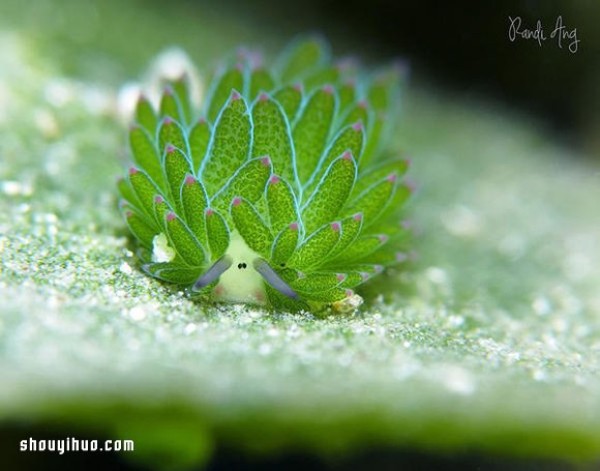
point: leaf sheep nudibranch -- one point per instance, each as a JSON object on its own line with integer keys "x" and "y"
{"x": 278, "y": 190}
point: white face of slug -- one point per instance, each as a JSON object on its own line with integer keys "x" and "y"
{"x": 241, "y": 283}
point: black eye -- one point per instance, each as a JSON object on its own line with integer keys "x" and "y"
{"x": 240, "y": 266}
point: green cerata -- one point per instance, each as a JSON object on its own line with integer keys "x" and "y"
{"x": 278, "y": 190}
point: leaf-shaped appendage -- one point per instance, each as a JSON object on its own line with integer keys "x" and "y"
{"x": 277, "y": 191}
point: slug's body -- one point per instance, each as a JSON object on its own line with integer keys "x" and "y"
{"x": 241, "y": 283}
{"x": 275, "y": 192}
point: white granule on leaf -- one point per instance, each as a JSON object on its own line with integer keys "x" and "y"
{"x": 15, "y": 188}
{"x": 137, "y": 313}
{"x": 125, "y": 268}
{"x": 161, "y": 251}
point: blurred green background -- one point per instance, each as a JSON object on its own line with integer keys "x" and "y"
{"x": 460, "y": 46}
{"x": 482, "y": 354}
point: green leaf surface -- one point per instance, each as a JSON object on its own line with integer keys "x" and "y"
{"x": 358, "y": 113}
{"x": 330, "y": 296}
{"x": 184, "y": 242}
{"x": 145, "y": 154}
{"x": 394, "y": 168}
{"x": 348, "y": 139}
{"x": 232, "y": 79}
{"x": 290, "y": 98}
{"x": 323, "y": 76}
{"x": 373, "y": 140}
{"x": 219, "y": 234}
{"x": 160, "y": 209}
{"x": 360, "y": 248}
{"x": 260, "y": 81}
{"x": 251, "y": 227}
{"x": 314, "y": 250}
{"x": 127, "y": 193}
{"x": 351, "y": 228}
{"x": 139, "y": 227}
{"x": 181, "y": 88}
{"x": 171, "y": 133}
{"x": 346, "y": 94}
{"x": 198, "y": 139}
{"x": 301, "y": 57}
{"x": 373, "y": 201}
{"x": 331, "y": 194}
{"x": 195, "y": 202}
{"x": 383, "y": 88}
{"x": 271, "y": 137}
{"x": 292, "y": 305}
{"x": 285, "y": 244}
{"x": 248, "y": 182}
{"x": 169, "y": 105}
{"x": 170, "y": 273}
{"x": 144, "y": 188}
{"x": 145, "y": 115}
{"x": 229, "y": 146}
{"x": 281, "y": 203}
{"x": 177, "y": 167}
{"x": 311, "y": 131}
{"x": 317, "y": 282}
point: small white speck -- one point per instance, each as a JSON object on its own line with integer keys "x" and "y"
{"x": 137, "y": 313}
{"x": 578, "y": 266}
{"x": 59, "y": 92}
{"x": 437, "y": 275}
{"x": 50, "y": 218}
{"x": 265, "y": 349}
{"x": 98, "y": 101}
{"x": 580, "y": 380}
{"x": 560, "y": 324}
{"x": 513, "y": 357}
{"x": 458, "y": 380}
{"x": 345, "y": 361}
{"x": 190, "y": 328}
{"x": 133, "y": 344}
{"x": 125, "y": 268}
{"x": 46, "y": 123}
{"x": 293, "y": 331}
{"x": 513, "y": 246}
{"x": 14, "y": 188}
{"x": 23, "y": 208}
{"x": 541, "y": 305}
{"x": 462, "y": 221}
{"x": 456, "y": 321}
{"x": 539, "y": 375}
